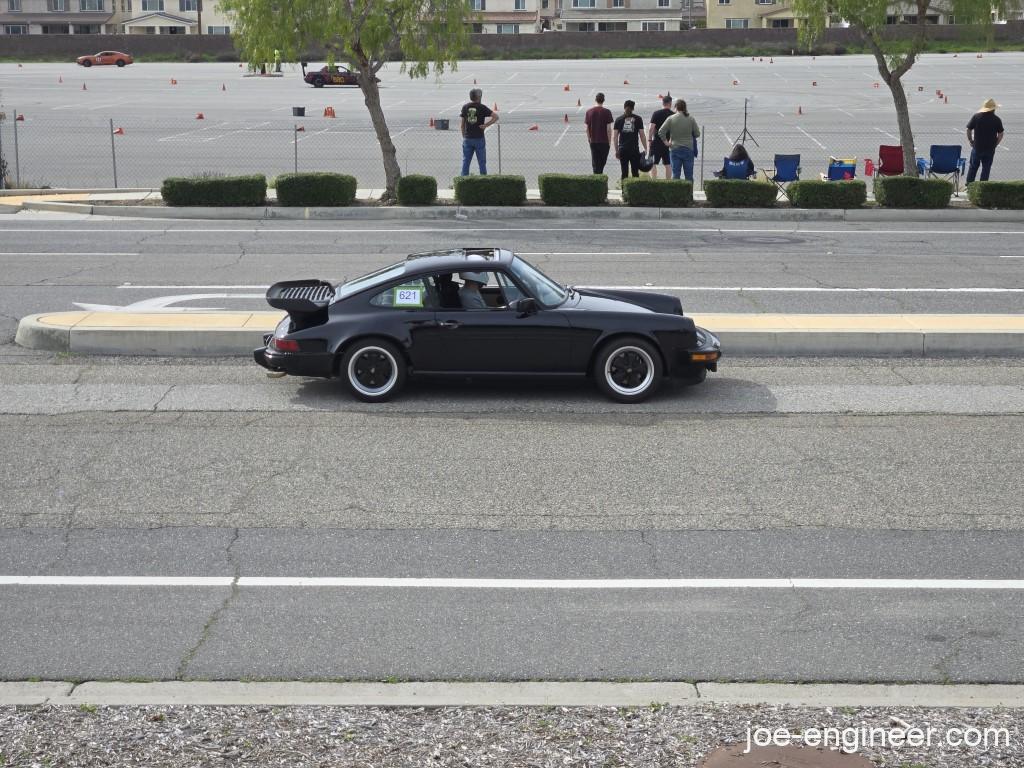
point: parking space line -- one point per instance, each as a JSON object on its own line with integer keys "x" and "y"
{"x": 805, "y": 133}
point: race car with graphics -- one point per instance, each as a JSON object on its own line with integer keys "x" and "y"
{"x": 330, "y": 76}
{"x": 481, "y": 312}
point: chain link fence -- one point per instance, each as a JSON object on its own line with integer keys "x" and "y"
{"x": 109, "y": 151}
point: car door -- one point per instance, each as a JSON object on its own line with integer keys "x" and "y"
{"x": 404, "y": 311}
{"x": 498, "y": 340}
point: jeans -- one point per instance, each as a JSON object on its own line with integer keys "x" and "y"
{"x": 469, "y": 147}
{"x": 598, "y": 157}
{"x": 682, "y": 160}
{"x": 984, "y": 159}
{"x": 629, "y": 161}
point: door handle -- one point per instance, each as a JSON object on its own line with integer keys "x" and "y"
{"x": 449, "y": 324}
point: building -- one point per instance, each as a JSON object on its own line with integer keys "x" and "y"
{"x": 629, "y": 15}
{"x": 55, "y": 17}
{"x": 750, "y": 14}
{"x": 169, "y": 17}
{"x": 509, "y": 17}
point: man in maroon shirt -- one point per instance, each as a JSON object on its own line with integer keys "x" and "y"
{"x": 599, "y": 121}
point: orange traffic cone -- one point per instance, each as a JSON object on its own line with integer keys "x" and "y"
{"x": 223, "y": 87}
{"x": 945, "y": 99}
{"x": 431, "y": 123}
{"x": 20, "y": 118}
{"x": 814, "y": 82}
{"x": 173, "y": 81}
{"x": 735, "y": 82}
{"x": 565, "y": 119}
{"x": 565, "y": 87}
{"x": 534, "y": 127}
{"x": 84, "y": 88}
{"x": 329, "y": 112}
{"x": 200, "y": 116}
{"x": 625, "y": 82}
{"x": 60, "y": 79}
{"x": 799, "y": 110}
{"x": 771, "y": 60}
{"x": 300, "y": 129}
{"x": 579, "y": 103}
{"x": 119, "y": 131}
{"x": 874, "y": 85}
{"x": 495, "y": 107}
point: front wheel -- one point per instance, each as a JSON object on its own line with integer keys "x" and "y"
{"x": 86, "y": 63}
{"x": 120, "y": 62}
{"x": 628, "y": 369}
{"x": 374, "y": 370}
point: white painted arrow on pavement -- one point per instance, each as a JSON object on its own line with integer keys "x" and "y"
{"x": 164, "y": 303}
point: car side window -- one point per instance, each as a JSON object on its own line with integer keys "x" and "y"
{"x": 410, "y": 294}
{"x": 509, "y": 288}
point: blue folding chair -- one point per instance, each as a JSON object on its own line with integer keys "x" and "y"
{"x": 841, "y": 170}
{"x": 947, "y": 161}
{"x": 786, "y": 171}
{"x": 735, "y": 169}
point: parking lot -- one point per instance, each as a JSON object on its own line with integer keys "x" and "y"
{"x": 818, "y": 107}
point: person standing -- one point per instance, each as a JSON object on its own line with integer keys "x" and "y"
{"x": 680, "y": 132}
{"x": 476, "y": 118}
{"x": 628, "y": 135}
{"x": 984, "y": 134}
{"x": 599, "y": 121}
{"x": 659, "y": 151}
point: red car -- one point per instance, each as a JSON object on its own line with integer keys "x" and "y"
{"x": 325, "y": 76}
{"x": 106, "y": 57}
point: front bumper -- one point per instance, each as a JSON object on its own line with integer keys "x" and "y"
{"x": 705, "y": 354}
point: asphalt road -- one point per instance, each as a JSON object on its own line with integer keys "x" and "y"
{"x": 799, "y": 468}
{"x": 817, "y": 107}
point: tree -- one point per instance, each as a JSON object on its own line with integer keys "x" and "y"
{"x": 894, "y": 56}
{"x": 428, "y": 35}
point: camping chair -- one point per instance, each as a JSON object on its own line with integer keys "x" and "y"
{"x": 786, "y": 171}
{"x": 840, "y": 170}
{"x": 733, "y": 169}
{"x": 946, "y": 161}
{"x": 890, "y": 160}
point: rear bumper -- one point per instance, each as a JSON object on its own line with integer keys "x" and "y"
{"x": 295, "y": 364}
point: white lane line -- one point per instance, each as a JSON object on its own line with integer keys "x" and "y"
{"x": 849, "y": 114}
{"x": 65, "y": 253}
{"x": 815, "y": 289}
{"x": 583, "y": 253}
{"x": 477, "y": 583}
{"x": 559, "y": 139}
{"x": 269, "y": 230}
{"x": 805, "y": 133}
{"x": 886, "y": 133}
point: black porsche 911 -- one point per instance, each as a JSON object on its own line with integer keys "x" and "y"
{"x": 479, "y": 312}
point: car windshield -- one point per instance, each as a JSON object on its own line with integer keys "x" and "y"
{"x": 368, "y": 281}
{"x": 542, "y": 287}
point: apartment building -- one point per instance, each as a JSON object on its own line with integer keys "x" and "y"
{"x": 55, "y": 17}
{"x": 750, "y": 14}
{"x": 629, "y": 15}
{"x": 169, "y": 17}
{"x": 511, "y": 17}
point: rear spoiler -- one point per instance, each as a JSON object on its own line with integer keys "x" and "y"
{"x": 301, "y": 297}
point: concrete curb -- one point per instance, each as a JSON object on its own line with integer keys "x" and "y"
{"x": 9, "y": 208}
{"x": 620, "y": 213}
{"x": 534, "y": 694}
{"x": 238, "y": 333}
{"x": 72, "y": 191}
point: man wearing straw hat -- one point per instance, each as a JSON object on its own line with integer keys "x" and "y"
{"x": 984, "y": 132}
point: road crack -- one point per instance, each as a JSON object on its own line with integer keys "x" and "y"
{"x": 190, "y": 655}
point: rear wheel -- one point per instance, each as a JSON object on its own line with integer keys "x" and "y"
{"x": 373, "y": 370}
{"x": 628, "y": 369}
{"x": 120, "y": 62}
{"x": 318, "y": 82}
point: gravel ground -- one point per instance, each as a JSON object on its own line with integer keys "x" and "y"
{"x": 502, "y": 736}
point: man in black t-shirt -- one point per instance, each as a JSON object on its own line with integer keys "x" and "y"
{"x": 476, "y": 118}
{"x": 628, "y": 135}
{"x": 984, "y": 133}
{"x": 659, "y": 150}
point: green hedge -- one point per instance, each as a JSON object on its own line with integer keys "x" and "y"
{"x": 490, "y": 190}
{"x": 417, "y": 189}
{"x": 737, "y": 193}
{"x": 815, "y": 193}
{"x": 566, "y": 189}
{"x": 912, "y": 192}
{"x": 215, "y": 190}
{"x": 306, "y": 190}
{"x": 996, "y": 194}
{"x": 657, "y": 193}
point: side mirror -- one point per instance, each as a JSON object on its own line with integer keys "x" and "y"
{"x": 525, "y": 306}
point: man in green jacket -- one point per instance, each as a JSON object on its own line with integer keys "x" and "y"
{"x": 678, "y": 133}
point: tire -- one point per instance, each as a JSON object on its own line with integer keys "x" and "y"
{"x": 628, "y": 369}
{"x": 374, "y": 370}
{"x": 87, "y": 63}
{"x": 318, "y": 82}
{"x": 120, "y": 62}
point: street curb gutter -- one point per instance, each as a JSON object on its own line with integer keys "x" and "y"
{"x": 444, "y": 694}
{"x": 238, "y": 333}
{"x": 450, "y": 212}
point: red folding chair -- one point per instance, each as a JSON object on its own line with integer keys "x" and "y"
{"x": 890, "y": 160}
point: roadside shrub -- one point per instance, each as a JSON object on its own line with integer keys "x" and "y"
{"x": 567, "y": 189}
{"x": 215, "y": 190}
{"x": 912, "y": 192}
{"x": 996, "y": 194}
{"x": 657, "y": 193}
{"x": 737, "y": 193}
{"x": 417, "y": 189}
{"x": 306, "y": 190}
{"x": 815, "y": 193}
{"x": 490, "y": 190}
